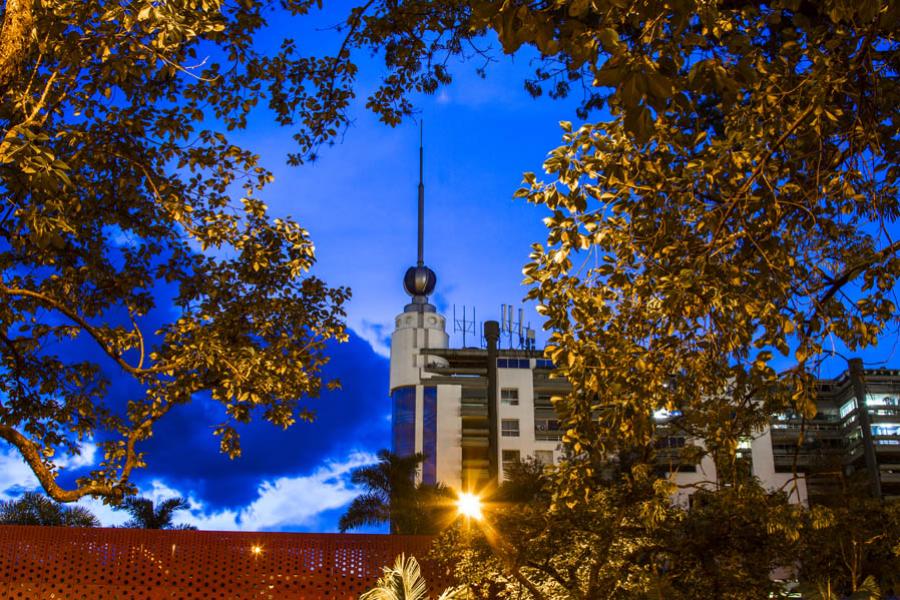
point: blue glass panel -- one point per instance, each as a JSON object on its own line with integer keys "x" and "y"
{"x": 403, "y": 420}
{"x": 429, "y": 435}
{"x": 513, "y": 363}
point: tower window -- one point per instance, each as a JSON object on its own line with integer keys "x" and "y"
{"x": 509, "y": 427}
{"x": 509, "y": 396}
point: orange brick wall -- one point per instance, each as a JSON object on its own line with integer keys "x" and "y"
{"x": 66, "y": 563}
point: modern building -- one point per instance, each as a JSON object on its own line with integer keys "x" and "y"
{"x": 473, "y": 410}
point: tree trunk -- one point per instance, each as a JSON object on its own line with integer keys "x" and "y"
{"x": 15, "y": 38}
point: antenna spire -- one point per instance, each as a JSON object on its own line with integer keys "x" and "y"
{"x": 419, "y": 281}
{"x": 421, "y": 260}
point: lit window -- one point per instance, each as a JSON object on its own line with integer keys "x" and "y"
{"x": 663, "y": 414}
{"x": 509, "y": 427}
{"x": 886, "y": 429}
{"x": 545, "y": 457}
{"x": 509, "y": 396}
{"x": 848, "y": 407}
{"x": 880, "y": 400}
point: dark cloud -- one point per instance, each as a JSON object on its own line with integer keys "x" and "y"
{"x": 185, "y": 454}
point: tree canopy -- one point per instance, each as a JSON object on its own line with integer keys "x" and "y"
{"x": 722, "y": 221}
{"x": 729, "y": 223}
{"x": 133, "y": 239}
{"x": 34, "y": 508}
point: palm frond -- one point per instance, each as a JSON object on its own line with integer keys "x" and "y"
{"x": 368, "y": 509}
{"x": 403, "y": 581}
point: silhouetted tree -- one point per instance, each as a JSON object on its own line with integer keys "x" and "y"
{"x": 34, "y": 508}
{"x": 146, "y": 515}
{"x": 392, "y": 496}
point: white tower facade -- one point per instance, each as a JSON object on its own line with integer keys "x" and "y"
{"x": 416, "y": 425}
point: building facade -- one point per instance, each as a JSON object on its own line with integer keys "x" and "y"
{"x": 440, "y": 399}
{"x": 471, "y": 411}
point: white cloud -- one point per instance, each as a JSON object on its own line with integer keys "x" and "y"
{"x": 290, "y": 501}
{"x": 86, "y": 458}
{"x": 287, "y": 501}
{"x": 377, "y": 334}
{"x": 299, "y": 500}
{"x": 15, "y": 475}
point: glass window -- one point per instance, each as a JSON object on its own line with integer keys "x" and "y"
{"x": 509, "y": 427}
{"x": 543, "y": 363}
{"x": 429, "y": 434}
{"x": 880, "y": 400}
{"x": 848, "y": 407}
{"x": 886, "y": 429}
{"x": 546, "y": 424}
{"x": 403, "y": 421}
{"x": 510, "y": 456}
{"x": 545, "y": 457}
{"x": 509, "y": 396}
{"x": 513, "y": 363}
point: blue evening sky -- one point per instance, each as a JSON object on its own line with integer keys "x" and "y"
{"x": 358, "y": 202}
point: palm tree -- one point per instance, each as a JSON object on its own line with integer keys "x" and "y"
{"x": 144, "y": 515}
{"x": 34, "y": 508}
{"x": 392, "y": 496}
{"x": 404, "y": 581}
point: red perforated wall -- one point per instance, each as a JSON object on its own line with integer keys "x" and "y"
{"x": 130, "y": 564}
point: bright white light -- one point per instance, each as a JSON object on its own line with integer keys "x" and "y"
{"x": 469, "y": 505}
{"x": 663, "y": 414}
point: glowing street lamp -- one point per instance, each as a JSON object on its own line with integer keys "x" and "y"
{"x": 469, "y": 506}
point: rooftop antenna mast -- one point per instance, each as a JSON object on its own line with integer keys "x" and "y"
{"x": 421, "y": 259}
{"x": 419, "y": 280}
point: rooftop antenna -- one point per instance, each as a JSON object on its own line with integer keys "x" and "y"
{"x": 421, "y": 259}
{"x": 419, "y": 280}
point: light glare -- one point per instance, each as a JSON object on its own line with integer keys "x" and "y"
{"x": 469, "y": 505}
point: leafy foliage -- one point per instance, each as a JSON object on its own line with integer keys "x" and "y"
{"x": 705, "y": 247}
{"x": 404, "y": 581}
{"x": 120, "y": 196}
{"x": 624, "y": 539}
{"x": 733, "y": 219}
{"x": 147, "y": 515}
{"x": 850, "y": 547}
{"x": 393, "y": 496}
{"x": 34, "y": 508}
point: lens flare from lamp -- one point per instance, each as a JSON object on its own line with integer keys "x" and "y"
{"x": 469, "y": 505}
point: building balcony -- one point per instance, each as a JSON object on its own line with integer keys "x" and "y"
{"x": 473, "y": 410}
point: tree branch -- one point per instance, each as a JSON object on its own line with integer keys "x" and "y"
{"x": 31, "y": 452}
{"x": 15, "y": 38}
{"x": 87, "y": 327}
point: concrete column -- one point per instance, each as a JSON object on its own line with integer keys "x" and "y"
{"x": 492, "y": 335}
{"x": 857, "y": 380}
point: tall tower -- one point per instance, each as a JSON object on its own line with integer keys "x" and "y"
{"x": 419, "y": 326}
